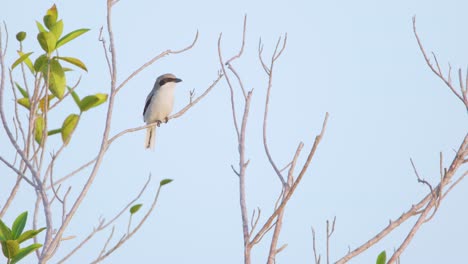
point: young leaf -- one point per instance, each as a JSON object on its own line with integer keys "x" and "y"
{"x": 39, "y": 129}
{"x": 29, "y": 234}
{"x": 57, "y": 81}
{"x": 18, "y": 225}
{"x": 70, "y": 36}
{"x": 135, "y": 208}
{"x": 74, "y": 61}
{"x": 68, "y": 127}
{"x": 91, "y": 101}
{"x": 2, "y": 238}
{"x": 57, "y": 29}
{"x": 24, "y": 102}
{"x": 52, "y": 11}
{"x": 165, "y": 181}
{"x": 24, "y": 252}
{"x": 20, "y": 60}
{"x": 54, "y": 131}
{"x": 5, "y": 231}
{"x": 47, "y": 40}
{"x": 22, "y": 91}
{"x": 40, "y": 27}
{"x": 382, "y": 258}
{"x": 75, "y": 96}
{"x": 40, "y": 63}
{"x": 51, "y": 17}
{"x": 42, "y": 102}
{"x": 28, "y": 62}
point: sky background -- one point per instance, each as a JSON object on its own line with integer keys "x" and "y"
{"x": 357, "y": 60}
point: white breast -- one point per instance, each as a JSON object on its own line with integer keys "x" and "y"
{"x": 162, "y": 103}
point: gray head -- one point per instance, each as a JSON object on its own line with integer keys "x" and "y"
{"x": 166, "y": 78}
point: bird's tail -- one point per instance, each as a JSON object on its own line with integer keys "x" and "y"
{"x": 150, "y": 137}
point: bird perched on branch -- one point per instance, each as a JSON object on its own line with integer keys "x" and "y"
{"x": 159, "y": 104}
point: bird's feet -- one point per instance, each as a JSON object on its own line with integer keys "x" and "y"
{"x": 166, "y": 119}
{"x": 158, "y": 123}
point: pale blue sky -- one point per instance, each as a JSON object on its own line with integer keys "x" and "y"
{"x": 358, "y": 60}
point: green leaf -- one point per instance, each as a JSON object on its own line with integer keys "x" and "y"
{"x": 18, "y": 225}
{"x": 165, "y": 181}
{"x": 20, "y": 36}
{"x": 22, "y": 91}
{"x": 48, "y": 21}
{"x": 27, "y": 61}
{"x": 47, "y": 40}
{"x": 66, "y": 69}
{"x": 39, "y": 129}
{"x": 24, "y": 252}
{"x": 70, "y": 36}
{"x": 5, "y": 231}
{"x": 75, "y": 96}
{"x": 91, "y": 101}
{"x": 382, "y": 258}
{"x": 40, "y": 63}
{"x": 74, "y": 61}
{"x": 57, "y": 81}
{"x": 24, "y": 102}
{"x": 2, "y": 238}
{"x": 57, "y": 29}
{"x": 51, "y": 17}
{"x": 10, "y": 248}
{"x": 20, "y": 60}
{"x": 135, "y": 208}
{"x": 29, "y": 234}
{"x": 40, "y": 27}
{"x": 68, "y": 127}
{"x": 54, "y": 131}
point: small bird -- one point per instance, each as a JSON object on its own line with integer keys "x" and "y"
{"x": 159, "y": 104}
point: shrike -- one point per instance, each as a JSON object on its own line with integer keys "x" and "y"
{"x": 159, "y": 105}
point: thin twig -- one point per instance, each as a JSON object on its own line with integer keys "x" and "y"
{"x": 154, "y": 59}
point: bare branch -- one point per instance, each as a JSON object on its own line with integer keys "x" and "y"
{"x": 270, "y": 220}
{"x": 329, "y": 234}
{"x": 420, "y": 180}
{"x": 154, "y": 59}
{"x": 274, "y": 57}
{"x": 127, "y": 236}
{"x": 231, "y": 89}
{"x": 314, "y": 248}
{"x": 437, "y": 71}
{"x": 103, "y": 224}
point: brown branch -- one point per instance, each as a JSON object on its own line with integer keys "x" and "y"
{"x": 270, "y": 220}
{"x": 427, "y": 203}
{"x": 103, "y": 224}
{"x": 274, "y": 57}
{"x": 437, "y": 71}
{"x": 154, "y": 59}
{"x": 314, "y": 248}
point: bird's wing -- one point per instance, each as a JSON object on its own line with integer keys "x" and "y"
{"x": 148, "y": 101}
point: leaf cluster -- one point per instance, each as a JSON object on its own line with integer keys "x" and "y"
{"x": 11, "y": 238}
{"x": 48, "y": 69}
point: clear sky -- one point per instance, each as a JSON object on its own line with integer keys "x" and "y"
{"x": 357, "y": 60}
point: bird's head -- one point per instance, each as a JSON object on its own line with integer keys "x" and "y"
{"x": 167, "y": 78}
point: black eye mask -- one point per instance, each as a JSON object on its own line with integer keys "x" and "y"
{"x": 166, "y": 80}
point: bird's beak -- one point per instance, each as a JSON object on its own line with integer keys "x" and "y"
{"x": 177, "y": 80}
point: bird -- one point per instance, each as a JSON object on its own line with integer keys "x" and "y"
{"x": 158, "y": 105}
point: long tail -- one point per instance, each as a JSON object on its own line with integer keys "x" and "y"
{"x": 150, "y": 137}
